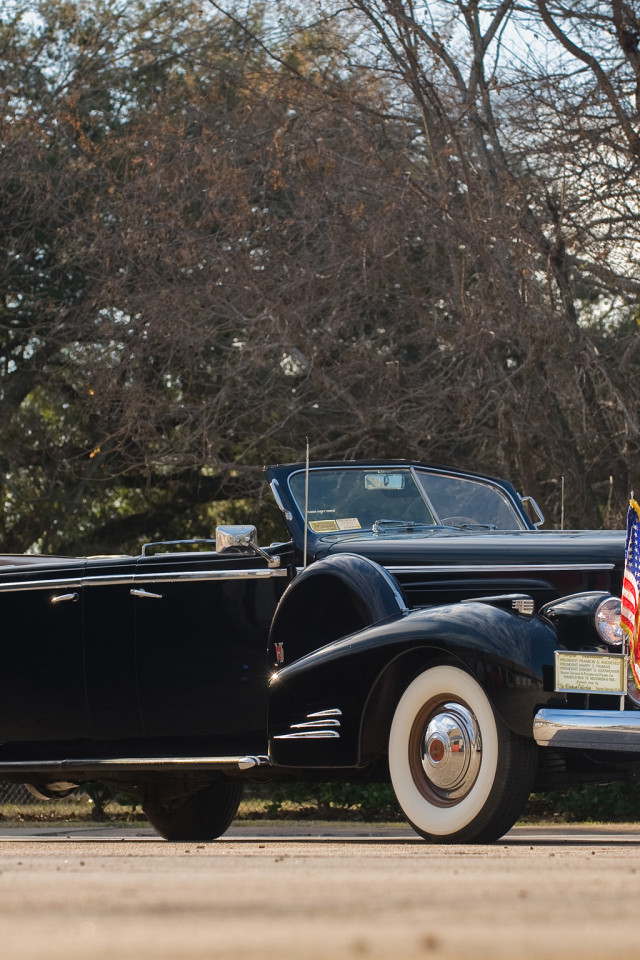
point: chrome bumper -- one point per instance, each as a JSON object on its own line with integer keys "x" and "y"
{"x": 588, "y": 729}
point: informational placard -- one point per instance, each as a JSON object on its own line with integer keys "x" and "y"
{"x": 578, "y": 672}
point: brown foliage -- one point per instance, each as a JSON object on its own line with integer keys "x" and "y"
{"x": 211, "y": 252}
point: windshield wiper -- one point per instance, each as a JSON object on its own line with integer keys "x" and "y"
{"x": 469, "y": 524}
{"x": 484, "y": 526}
{"x": 408, "y": 525}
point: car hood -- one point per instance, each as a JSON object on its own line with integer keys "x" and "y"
{"x": 444, "y": 547}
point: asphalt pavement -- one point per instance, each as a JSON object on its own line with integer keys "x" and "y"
{"x": 318, "y": 892}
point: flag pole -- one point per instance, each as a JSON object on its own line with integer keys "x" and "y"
{"x": 630, "y": 590}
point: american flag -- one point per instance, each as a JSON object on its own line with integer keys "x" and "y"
{"x": 629, "y": 611}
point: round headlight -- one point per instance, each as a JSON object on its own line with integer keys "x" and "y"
{"x": 608, "y": 621}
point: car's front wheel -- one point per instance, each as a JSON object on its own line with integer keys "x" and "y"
{"x": 203, "y": 815}
{"x": 459, "y": 773}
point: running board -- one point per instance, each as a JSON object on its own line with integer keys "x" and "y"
{"x": 221, "y": 764}
{"x": 588, "y": 729}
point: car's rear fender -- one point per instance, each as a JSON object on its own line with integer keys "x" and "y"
{"x": 334, "y": 706}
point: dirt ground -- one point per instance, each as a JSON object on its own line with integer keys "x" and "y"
{"x": 536, "y": 895}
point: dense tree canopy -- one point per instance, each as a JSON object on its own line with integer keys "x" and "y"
{"x": 395, "y": 228}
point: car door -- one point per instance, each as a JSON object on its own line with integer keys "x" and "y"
{"x": 43, "y": 708}
{"x": 110, "y": 657}
{"x": 202, "y": 625}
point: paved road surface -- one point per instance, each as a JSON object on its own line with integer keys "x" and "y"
{"x": 539, "y": 894}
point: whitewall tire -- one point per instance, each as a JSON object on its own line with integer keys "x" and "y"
{"x": 459, "y": 773}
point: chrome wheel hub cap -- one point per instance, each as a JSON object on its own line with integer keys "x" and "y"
{"x": 451, "y": 751}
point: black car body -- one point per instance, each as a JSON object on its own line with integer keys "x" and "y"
{"x": 417, "y": 625}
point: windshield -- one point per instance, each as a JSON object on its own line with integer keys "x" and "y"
{"x": 458, "y": 500}
{"x": 356, "y": 498}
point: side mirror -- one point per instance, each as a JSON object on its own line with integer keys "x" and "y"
{"x": 242, "y": 538}
{"x": 237, "y": 538}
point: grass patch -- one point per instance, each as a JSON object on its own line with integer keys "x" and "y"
{"x": 80, "y": 809}
{"x": 364, "y": 803}
{"x": 329, "y": 803}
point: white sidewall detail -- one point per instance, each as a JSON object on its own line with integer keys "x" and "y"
{"x": 441, "y": 821}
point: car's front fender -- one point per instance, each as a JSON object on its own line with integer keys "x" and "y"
{"x": 334, "y": 706}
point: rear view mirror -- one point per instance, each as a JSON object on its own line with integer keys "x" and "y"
{"x": 384, "y": 481}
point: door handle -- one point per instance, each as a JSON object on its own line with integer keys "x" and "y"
{"x": 64, "y": 596}
{"x": 145, "y": 593}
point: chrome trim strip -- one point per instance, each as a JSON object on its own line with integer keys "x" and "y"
{"x": 74, "y": 583}
{"x": 199, "y": 541}
{"x": 196, "y": 575}
{"x": 502, "y": 567}
{"x": 308, "y": 735}
{"x": 588, "y": 729}
{"x": 423, "y": 493}
{"x": 110, "y": 580}
{"x": 275, "y": 492}
{"x": 315, "y": 724}
{"x": 200, "y": 763}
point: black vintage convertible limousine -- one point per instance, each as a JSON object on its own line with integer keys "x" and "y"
{"x": 418, "y": 626}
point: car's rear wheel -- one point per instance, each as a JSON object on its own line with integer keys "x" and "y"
{"x": 459, "y": 773}
{"x": 204, "y": 815}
